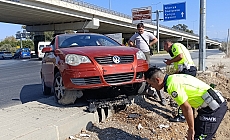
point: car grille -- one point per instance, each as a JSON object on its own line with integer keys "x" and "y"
{"x": 118, "y": 78}
{"x": 86, "y": 81}
{"x": 109, "y": 59}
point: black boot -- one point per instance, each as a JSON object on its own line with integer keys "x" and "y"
{"x": 179, "y": 118}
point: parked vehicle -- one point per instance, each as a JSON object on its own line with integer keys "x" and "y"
{"x": 5, "y": 55}
{"x": 22, "y": 53}
{"x": 41, "y": 45}
{"x": 91, "y": 65}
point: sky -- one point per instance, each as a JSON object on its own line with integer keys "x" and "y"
{"x": 217, "y": 15}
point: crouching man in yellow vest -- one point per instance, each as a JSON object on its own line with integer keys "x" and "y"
{"x": 190, "y": 92}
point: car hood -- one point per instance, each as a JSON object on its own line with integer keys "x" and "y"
{"x": 100, "y": 50}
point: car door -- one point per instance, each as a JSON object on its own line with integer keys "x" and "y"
{"x": 48, "y": 63}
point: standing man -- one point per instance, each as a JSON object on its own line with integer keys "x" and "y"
{"x": 183, "y": 64}
{"x": 142, "y": 39}
{"x": 190, "y": 92}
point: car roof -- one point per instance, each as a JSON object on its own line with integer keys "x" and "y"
{"x": 24, "y": 49}
{"x": 74, "y": 34}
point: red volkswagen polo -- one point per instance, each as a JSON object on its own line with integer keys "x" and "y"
{"x": 90, "y": 64}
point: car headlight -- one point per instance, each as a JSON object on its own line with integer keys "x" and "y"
{"x": 74, "y": 59}
{"x": 140, "y": 55}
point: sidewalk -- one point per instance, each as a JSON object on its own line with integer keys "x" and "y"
{"x": 43, "y": 120}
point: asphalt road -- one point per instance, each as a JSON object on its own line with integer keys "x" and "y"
{"x": 20, "y": 82}
{"x": 20, "y": 79}
{"x": 158, "y": 59}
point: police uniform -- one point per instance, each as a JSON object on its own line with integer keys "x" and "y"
{"x": 183, "y": 87}
{"x": 186, "y": 64}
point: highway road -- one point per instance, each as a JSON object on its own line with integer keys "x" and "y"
{"x": 20, "y": 82}
{"x": 20, "y": 79}
{"x": 158, "y": 59}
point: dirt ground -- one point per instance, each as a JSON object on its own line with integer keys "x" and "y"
{"x": 146, "y": 119}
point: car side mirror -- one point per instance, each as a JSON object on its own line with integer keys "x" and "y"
{"x": 47, "y": 49}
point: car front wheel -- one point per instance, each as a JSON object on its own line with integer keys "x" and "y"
{"x": 59, "y": 89}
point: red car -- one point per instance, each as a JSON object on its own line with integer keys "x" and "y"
{"x": 90, "y": 64}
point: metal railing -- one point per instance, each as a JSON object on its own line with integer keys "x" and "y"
{"x": 105, "y": 10}
{"x": 95, "y": 7}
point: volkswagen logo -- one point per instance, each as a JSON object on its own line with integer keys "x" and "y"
{"x": 116, "y": 59}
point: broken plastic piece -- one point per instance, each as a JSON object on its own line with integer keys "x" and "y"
{"x": 139, "y": 127}
{"x": 84, "y": 135}
{"x": 163, "y": 126}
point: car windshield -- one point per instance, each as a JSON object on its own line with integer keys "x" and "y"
{"x": 85, "y": 40}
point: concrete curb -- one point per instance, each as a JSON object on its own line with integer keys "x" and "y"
{"x": 40, "y": 121}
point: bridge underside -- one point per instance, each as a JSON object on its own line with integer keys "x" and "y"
{"x": 52, "y": 17}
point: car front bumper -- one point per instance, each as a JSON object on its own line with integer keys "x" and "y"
{"x": 96, "y": 77}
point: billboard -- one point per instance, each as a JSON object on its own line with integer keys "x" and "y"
{"x": 143, "y": 14}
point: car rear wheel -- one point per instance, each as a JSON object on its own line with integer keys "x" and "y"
{"x": 59, "y": 89}
{"x": 45, "y": 90}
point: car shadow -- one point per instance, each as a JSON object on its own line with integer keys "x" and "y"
{"x": 156, "y": 108}
{"x": 33, "y": 92}
{"x": 112, "y": 133}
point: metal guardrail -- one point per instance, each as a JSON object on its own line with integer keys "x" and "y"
{"x": 95, "y": 7}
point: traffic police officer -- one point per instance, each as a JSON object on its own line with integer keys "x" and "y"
{"x": 181, "y": 58}
{"x": 190, "y": 92}
{"x": 183, "y": 64}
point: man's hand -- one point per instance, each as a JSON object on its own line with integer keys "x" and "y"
{"x": 188, "y": 113}
{"x": 190, "y": 134}
{"x": 168, "y": 61}
{"x": 131, "y": 44}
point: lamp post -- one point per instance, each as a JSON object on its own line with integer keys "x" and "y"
{"x": 228, "y": 41}
{"x": 202, "y": 35}
{"x": 20, "y": 35}
{"x": 157, "y": 23}
{"x": 156, "y": 4}
{"x": 109, "y": 4}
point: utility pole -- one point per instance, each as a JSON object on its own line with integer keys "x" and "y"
{"x": 21, "y": 40}
{"x": 20, "y": 35}
{"x": 109, "y": 4}
{"x": 157, "y": 22}
{"x": 202, "y": 35}
{"x": 228, "y": 41}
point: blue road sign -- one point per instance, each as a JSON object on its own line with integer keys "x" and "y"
{"x": 175, "y": 11}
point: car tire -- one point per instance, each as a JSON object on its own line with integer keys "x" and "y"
{"x": 45, "y": 90}
{"x": 58, "y": 87}
{"x": 131, "y": 89}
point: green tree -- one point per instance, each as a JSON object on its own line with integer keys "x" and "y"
{"x": 11, "y": 43}
{"x": 49, "y": 35}
{"x": 182, "y": 27}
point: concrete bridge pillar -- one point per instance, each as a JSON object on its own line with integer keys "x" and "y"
{"x": 38, "y": 36}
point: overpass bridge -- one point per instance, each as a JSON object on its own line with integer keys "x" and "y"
{"x": 61, "y": 15}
